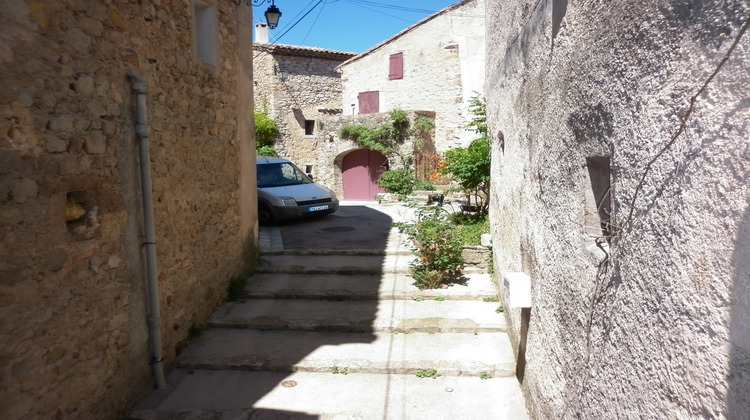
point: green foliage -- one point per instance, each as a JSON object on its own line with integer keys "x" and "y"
{"x": 500, "y": 310}
{"x": 437, "y": 249}
{"x": 266, "y": 130}
{"x": 266, "y": 151}
{"x": 194, "y": 332}
{"x": 387, "y": 137}
{"x": 236, "y": 288}
{"x": 470, "y": 227}
{"x": 470, "y": 166}
{"x": 478, "y": 108}
{"x": 485, "y": 375}
{"x": 423, "y": 125}
{"x": 423, "y": 185}
{"x": 439, "y": 298}
{"x": 397, "y": 181}
{"x": 489, "y": 299}
{"x": 428, "y": 373}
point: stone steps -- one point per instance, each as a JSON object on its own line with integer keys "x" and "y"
{"x": 450, "y": 354}
{"x": 360, "y": 315}
{"x": 235, "y": 394}
{"x": 368, "y": 286}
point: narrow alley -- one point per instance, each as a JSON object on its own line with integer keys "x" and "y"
{"x": 331, "y": 327}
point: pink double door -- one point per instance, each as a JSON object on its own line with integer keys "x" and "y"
{"x": 361, "y": 169}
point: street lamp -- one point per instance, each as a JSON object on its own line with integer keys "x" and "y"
{"x": 273, "y": 14}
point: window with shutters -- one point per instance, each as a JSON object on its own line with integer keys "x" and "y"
{"x": 369, "y": 102}
{"x": 396, "y": 66}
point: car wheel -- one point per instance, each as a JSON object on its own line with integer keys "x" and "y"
{"x": 265, "y": 216}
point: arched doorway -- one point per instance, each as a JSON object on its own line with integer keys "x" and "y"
{"x": 360, "y": 170}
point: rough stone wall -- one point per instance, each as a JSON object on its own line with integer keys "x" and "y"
{"x": 330, "y": 147}
{"x": 658, "y": 329}
{"x": 443, "y": 68}
{"x": 311, "y": 85}
{"x": 72, "y": 277}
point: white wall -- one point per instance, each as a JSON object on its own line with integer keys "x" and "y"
{"x": 443, "y": 67}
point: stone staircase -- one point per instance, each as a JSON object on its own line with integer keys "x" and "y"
{"x": 345, "y": 335}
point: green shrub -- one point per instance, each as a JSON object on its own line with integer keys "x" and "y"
{"x": 423, "y": 185}
{"x": 266, "y": 130}
{"x": 236, "y": 288}
{"x": 437, "y": 249}
{"x": 397, "y": 181}
{"x": 266, "y": 151}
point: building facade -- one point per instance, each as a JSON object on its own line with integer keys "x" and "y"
{"x": 297, "y": 87}
{"x": 435, "y": 65}
{"x": 75, "y": 332}
{"x": 620, "y": 187}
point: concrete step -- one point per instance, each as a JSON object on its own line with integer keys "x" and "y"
{"x": 360, "y": 315}
{"x": 450, "y": 354}
{"x": 214, "y": 395}
{"x": 336, "y": 263}
{"x": 478, "y": 286}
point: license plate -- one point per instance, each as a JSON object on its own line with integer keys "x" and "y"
{"x": 318, "y": 208}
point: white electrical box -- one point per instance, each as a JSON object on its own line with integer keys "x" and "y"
{"x": 517, "y": 289}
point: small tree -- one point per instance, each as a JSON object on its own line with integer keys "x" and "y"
{"x": 470, "y": 167}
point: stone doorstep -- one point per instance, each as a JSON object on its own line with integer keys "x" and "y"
{"x": 451, "y": 354}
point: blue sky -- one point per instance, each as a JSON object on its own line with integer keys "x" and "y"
{"x": 345, "y": 25}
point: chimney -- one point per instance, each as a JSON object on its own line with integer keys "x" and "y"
{"x": 261, "y": 33}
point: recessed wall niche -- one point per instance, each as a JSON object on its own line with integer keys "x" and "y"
{"x": 82, "y": 215}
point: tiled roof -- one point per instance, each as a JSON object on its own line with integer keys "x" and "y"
{"x": 295, "y": 50}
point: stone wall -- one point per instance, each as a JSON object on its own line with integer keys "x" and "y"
{"x": 635, "y": 116}
{"x": 72, "y": 276}
{"x": 331, "y": 148}
{"x": 443, "y": 60}
{"x": 310, "y": 92}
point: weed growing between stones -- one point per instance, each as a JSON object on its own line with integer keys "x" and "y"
{"x": 427, "y": 373}
{"x": 236, "y": 288}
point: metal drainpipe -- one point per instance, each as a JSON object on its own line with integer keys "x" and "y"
{"x": 154, "y": 317}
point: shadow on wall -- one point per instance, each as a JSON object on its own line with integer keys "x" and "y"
{"x": 738, "y": 380}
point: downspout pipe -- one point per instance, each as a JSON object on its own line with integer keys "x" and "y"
{"x": 154, "y": 318}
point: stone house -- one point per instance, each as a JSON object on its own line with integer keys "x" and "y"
{"x": 620, "y": 188}
{"x": 436, "y": 65}
{"x": 75, "y": 244}
{"x": 297, "y": 87}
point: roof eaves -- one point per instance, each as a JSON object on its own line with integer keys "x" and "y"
{"x": 404, "y": 32}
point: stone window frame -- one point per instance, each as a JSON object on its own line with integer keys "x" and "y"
{"x": 205, "y": 24}
{"x": 309, "y": 127}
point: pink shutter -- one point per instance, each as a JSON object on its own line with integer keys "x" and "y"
{"x": 369, "y": 102}
{"x": 396, "y": 68}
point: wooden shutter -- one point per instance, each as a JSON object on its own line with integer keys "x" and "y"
{"x": 369, "y": 102}
{"x": 396, "y": 68}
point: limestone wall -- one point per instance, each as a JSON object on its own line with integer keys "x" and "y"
{"x": 310, "y": 92}
{"x": 649, "y": 321}
{"x": 443, "y": 68}
{"x": 72, "y": 287}
{"x": 330, "y": 147}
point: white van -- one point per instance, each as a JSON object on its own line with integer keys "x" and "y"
{"x": 285, "y": 192}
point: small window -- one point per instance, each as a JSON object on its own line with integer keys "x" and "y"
{"x": 309, "y": 127}
{"x": 369, "y": 102}
{"x": 396, "y": 67}
{"x": 599, "y": 216}
{"x": 205, "y": 33}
